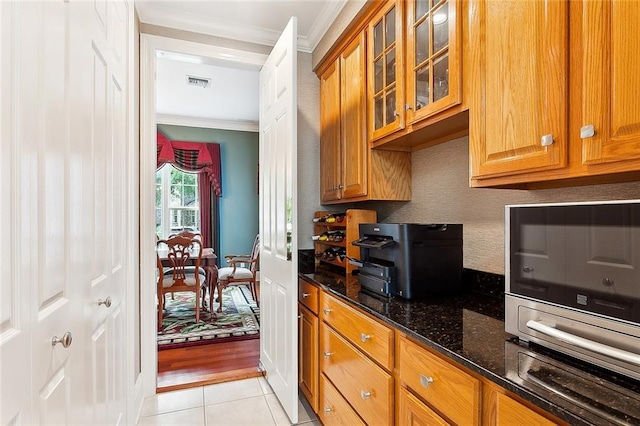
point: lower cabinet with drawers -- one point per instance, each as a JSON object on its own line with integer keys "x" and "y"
{"x": 356, "y": 370}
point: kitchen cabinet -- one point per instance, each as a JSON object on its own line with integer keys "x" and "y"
{"x": 555, "y": 100}
{"x": 502, "y": 410}
{"x": 414, "y": 82}
{"x": 350, "y": 171}
{"x": 356, "y": 351}
{"x": 446, "y": 388}
{"x": 386, "y": 72}
{"x": 334, "y": 409}
{"x": 308, "y": 332}
{"x": 412, "y": 412}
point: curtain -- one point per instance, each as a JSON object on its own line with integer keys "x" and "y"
{"x": 204, "y": 159}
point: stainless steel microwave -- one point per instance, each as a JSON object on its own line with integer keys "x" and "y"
{"x": 572, "y": 275}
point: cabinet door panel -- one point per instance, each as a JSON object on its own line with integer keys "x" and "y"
{"x": 308, "y": 356}
{"x": 385, "y": 80}
{"x": 520, "y": 88}
{"x": 610, "y": 68}
{"x": 434, "y": 66}
{"x": 354, "y": 137}
{"x": 412, "y": 412}
{"x": 330, "y": 134}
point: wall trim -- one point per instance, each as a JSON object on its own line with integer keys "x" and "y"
{"x": 207, "y": 123}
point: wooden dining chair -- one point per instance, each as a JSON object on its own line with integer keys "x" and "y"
{"x": 192, "y": 235}
{"x": 183, "y": 274}
{"x": 242, "y": 269}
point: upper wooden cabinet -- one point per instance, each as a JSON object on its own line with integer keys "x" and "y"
{"x": 607, "y": 72}
{"x": 414, "y": 61}
{"x": 555, "y": 99}
{"x": 349, "y": 170}
{"x": 518, "y": 115}
{"x": 433, "y": 57}
{"x": 386, "y": 72}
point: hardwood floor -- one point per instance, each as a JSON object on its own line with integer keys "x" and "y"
{"x": 207, "y": 364}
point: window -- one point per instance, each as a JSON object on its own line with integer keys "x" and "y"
{"x": 177, "y": 204}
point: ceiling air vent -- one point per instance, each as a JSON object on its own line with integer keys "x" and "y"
{"x": 198, "y": 81}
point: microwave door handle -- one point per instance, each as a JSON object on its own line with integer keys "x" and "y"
{"x": 583, "y": 343}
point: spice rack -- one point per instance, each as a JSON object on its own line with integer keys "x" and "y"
{"x": 350, "y": 229}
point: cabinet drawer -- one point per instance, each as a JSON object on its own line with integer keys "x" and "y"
{"x": 333, "y": 409}
{"x": 510, "y": 412}
{"x": 308, "y": 295}
{"x": 373, "y": 338}
{"x": 365, "y": 385}
{"x": 448, "y": 389}
{"x": 412, "y": 411}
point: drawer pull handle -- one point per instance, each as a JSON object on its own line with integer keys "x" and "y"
{"x": 305, "y": 295}
{"x": 326, "y": 311}
{"x": 327, "y": 354}
{"x": 328, "y": 410}
{"x": 365, "y": 395}
{"x": 364, "y": 337}
{"x": 425, "y": 381}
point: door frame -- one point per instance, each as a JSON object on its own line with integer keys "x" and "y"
{"x": 149, "y": 46}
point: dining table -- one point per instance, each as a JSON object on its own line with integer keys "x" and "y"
{"x": 207, "y": 262}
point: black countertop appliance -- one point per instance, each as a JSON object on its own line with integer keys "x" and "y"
{"x": 410, "y": 260}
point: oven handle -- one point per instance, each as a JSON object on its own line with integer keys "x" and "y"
{"x": 583, "y": 343}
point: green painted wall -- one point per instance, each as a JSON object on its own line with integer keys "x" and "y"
{"x": 239, "y": 201}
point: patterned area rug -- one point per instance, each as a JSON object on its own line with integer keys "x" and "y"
{"x": 239, "y": 320}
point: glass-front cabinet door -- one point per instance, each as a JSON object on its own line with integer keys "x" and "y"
{"x": 433, "y": 57}
{"x": 385, "y": 75}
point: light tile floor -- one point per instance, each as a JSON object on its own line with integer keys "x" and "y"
{"x": 249, "y": 402}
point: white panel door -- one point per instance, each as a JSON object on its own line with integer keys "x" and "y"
{"x": 64, "y": 126}
{"x": 278, "y": 206}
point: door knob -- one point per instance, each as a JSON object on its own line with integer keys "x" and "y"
{"x": 66, "y": 340}
{"x": 106, "y": 302}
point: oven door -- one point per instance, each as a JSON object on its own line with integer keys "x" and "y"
{"x": 584, "y": 394}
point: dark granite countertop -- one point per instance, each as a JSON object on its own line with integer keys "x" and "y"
{"x": 469, "y": 329}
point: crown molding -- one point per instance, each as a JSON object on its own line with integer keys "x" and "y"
{"x": 207, "y": 123}
{"x": 253, "y": 34}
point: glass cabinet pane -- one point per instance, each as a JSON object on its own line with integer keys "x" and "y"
{"x": 441, "y": 77}
{"x": 440, "y": 27}
{"x": 377, "y": 69}
{"x": 390, "y": 27}
{"x": 377, "y": 39}
{"x": 391, "y": 106}
{"x": 379, "y": 112}
{"x": 391, "y": 67}
{"x": 422, "y": 41}
{"x": 422, "y": 87}
{"x": 422, "y": 7}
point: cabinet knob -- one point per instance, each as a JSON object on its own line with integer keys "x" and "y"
{"x": 328, "y": 410}
{"x": 364, "y": 337}
{"x": 341, "y": 186}
{"x": 326, "y": 311}
{"x": 407, "y": 107}
{"x": 587, "y": 131}
{"x": 327, "y": 354}
{"x": 305, "y": 295}
{"x": 527, "y": 269}
{"x": 546, "y": 140}
{"x": 365, "y": 394}
{"x": 425, "y": 381}
{"x": 65, "y": 340}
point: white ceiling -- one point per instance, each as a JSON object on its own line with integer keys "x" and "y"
{"x": 256, "y": 21}
{"x": 233, "y": 94}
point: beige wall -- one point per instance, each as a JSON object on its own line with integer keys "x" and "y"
{"x": 441, "y": 194}
{"x": 308, "y": 149}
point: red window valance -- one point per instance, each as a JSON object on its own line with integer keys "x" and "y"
{"x": 192, "y": 157}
